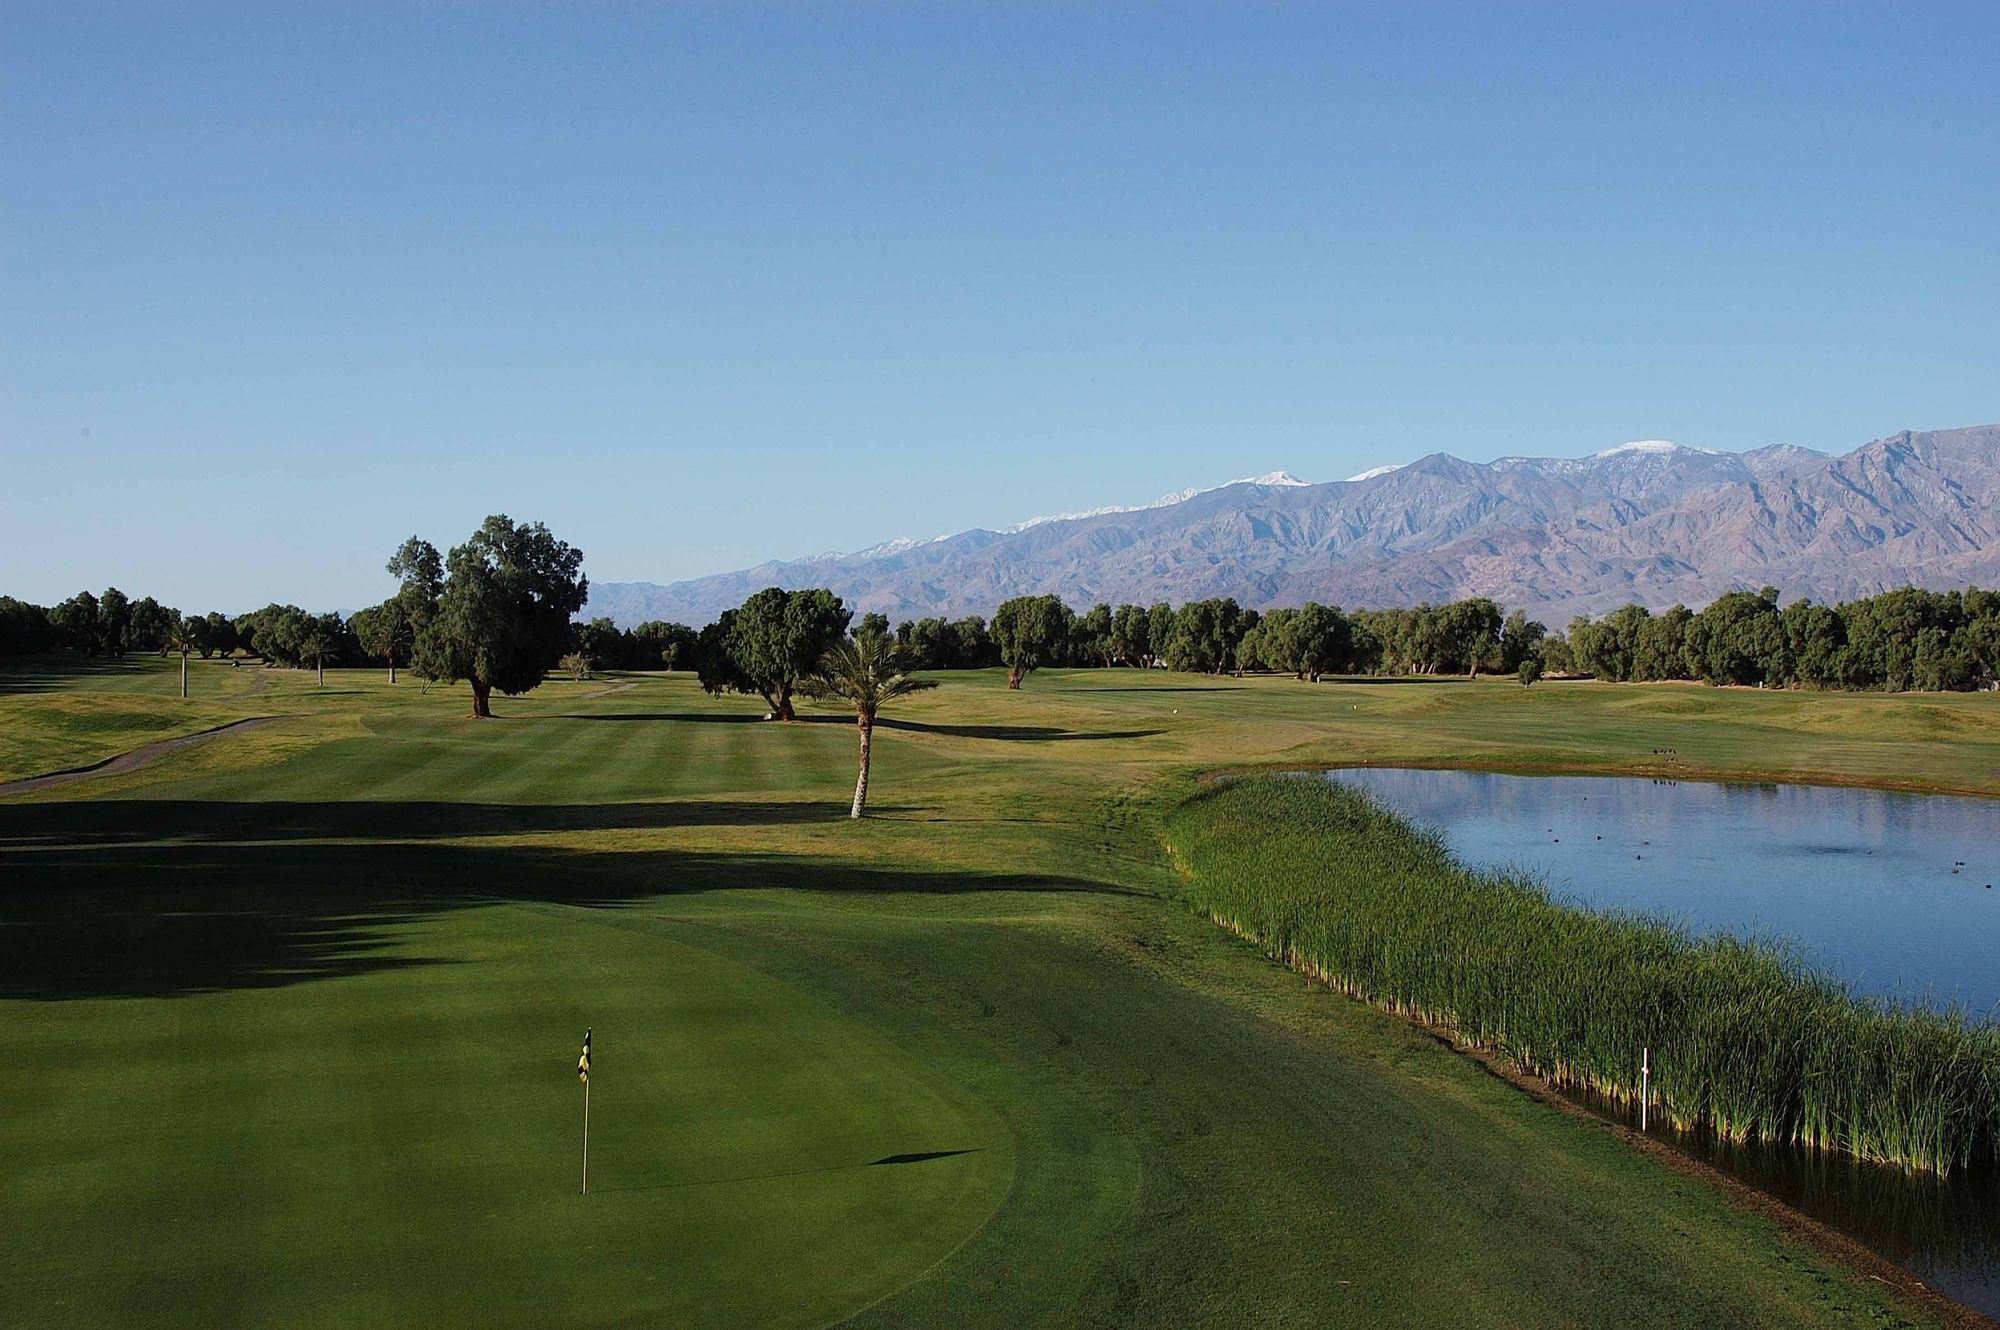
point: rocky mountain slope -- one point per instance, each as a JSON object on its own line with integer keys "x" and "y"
{"x": 1652, "y": 522}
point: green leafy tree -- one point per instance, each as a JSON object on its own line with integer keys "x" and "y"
{"x": 1659, "y": 649}
{"x": 1520, "y": 638}
{"x": 1160, "y": 621}
{"x": 868, "y": 672}
{"x": 24, "y": 627}
{"x": 972, "y": 644}
{"x": 1205, "y": 636}
{"x": 1031, "y": 631}
{"x": 1739, "y": 639}
{"x": 1131, "y": 638}
{"x": 929, "y": 644}
{"x": 1324, "y": 641}
{"x": 661, "y": 645}
{"x": 602, "y": 644}
{"x": 1093, "y": 636}
{"x": 771, "y": 642}
{"x": 390, "y": 630}
{"x": 148, "y": 624}
{"x": 114, "y": 622}
{"x": 503, "y": 614}
{"x": 1529, "y": 671}
{"x": 873, "y": 625}
{"x": 75, "y": 622}
{"x": 221, "y": 633}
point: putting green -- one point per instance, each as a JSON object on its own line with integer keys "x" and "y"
{"x": 401, "y": 1146}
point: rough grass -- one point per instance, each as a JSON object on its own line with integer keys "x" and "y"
{"x": 290, "y": 1022}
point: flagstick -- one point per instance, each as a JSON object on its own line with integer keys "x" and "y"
{"x": 586, "y": 1138}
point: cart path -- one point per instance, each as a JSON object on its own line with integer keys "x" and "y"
{"x": 141, "y": 756}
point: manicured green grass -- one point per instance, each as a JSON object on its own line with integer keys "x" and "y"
{"x": 290, "y": 1022}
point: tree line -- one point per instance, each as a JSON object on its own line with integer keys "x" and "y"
{"x": 1901, "y": 640}
{"x": 1898, "y": 641}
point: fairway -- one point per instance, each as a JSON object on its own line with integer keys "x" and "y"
{"x": 291, "y": 1018}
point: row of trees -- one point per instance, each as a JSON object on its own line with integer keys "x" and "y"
{"x": 1217, "y": 636}
{"x": 1930, "y": 641}
{"x": 111, "y": 624}
{"x": 1900, "y": 640}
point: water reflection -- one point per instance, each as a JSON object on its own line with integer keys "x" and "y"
{"x": 1887, "y": 890}
{"x": 1946, "y": 1233}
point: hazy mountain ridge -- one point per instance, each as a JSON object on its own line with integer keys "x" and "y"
{"x": 1651, "y": 522}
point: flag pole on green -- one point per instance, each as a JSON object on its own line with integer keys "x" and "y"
{"x": 583, "y": 1074}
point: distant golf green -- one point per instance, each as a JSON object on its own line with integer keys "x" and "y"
{"x": 290, "y": 1016}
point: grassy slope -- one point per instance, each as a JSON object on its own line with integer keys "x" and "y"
{"x": 291, "y": 1017}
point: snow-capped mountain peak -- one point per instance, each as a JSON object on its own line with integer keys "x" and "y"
{"x": 1653, "y": 446}
{"x": 1278, "y": 478}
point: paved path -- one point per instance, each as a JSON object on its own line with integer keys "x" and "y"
{"x": 132, "y": 761}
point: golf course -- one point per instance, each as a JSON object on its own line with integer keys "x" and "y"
{"x": 290, "y": 1013}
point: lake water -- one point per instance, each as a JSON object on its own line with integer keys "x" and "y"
{"x": 1861, "y": 880}
{"x": 1888, "y": 891}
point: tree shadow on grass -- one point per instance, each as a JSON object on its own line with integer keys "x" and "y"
{"x": 110, "y": 821}
{"x": 693, "y": 717}
{"x": 1015, "y": 733}
{"x": 1020, "y": 733}
{"x": 1172, "y": 688}
{"x": 48, "y": 674}
{"x": 96, "y": 919}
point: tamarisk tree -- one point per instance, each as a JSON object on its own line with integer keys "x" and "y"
{"x": 770, "y": 643}
{"x": 503, "y": 613}
{"x": 1031, "y": 631}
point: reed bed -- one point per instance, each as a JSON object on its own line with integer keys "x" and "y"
{"x": 1747, "y": 1040}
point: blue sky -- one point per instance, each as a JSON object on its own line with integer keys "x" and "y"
{"x": 699, "y": 285}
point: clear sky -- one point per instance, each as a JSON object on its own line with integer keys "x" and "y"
{"x": 699, "y": 285}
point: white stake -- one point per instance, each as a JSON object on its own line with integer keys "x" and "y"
{"x": 1645, "y": 1087}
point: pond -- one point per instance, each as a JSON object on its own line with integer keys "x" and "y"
{"x": 1888, "y": 891}
{"x": 1899, "y": 894}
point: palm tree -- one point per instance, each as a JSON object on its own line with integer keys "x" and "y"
{"x": 865, "y": 672}
{"x": 313, "y": 646}
{"x": 180, "y": 636}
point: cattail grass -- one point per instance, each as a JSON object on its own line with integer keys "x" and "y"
{"x": 1748, "y": 1039}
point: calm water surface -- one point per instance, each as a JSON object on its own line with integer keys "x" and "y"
{"x": 1889, "y": 891}
{"x": 1861, "y": 880}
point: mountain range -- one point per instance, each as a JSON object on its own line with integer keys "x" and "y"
{"x": 1652, "y": 521}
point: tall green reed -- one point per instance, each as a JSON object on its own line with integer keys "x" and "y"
{"x": 1747, "y": 1039}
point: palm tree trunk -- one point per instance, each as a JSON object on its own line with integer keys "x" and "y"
{"x": 321, "y": 663}
{"x": 184, "y": 676}
{"x": 861, "y": 781}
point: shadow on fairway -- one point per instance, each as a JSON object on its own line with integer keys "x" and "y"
{"x": 96, "y": 918}
{"x": 693, "y": 717}
{"x": 1170, "y": 688}
{"x": 115, "y": 821}
{"x": 46, "y": 674}
{"x": 1022, "y": 733}
{"x": 916, "y": 1158}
